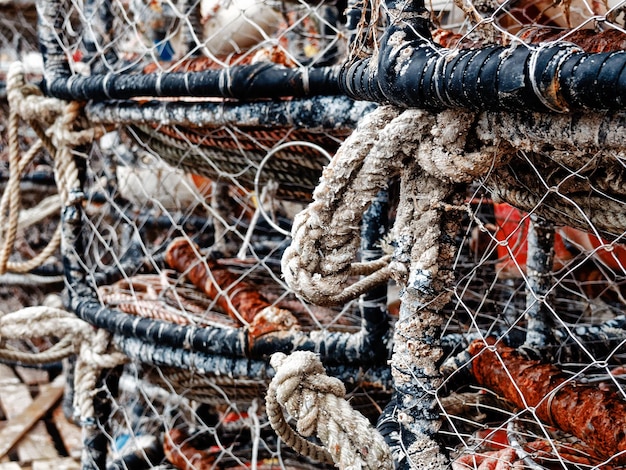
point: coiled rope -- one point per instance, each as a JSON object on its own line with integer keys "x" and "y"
{"x": 320, "y": 262}
{"x": 54, "y": 122}
{"x": 317, "y": 402}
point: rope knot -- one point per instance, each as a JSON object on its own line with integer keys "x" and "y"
{"x": 58, "y": 128}
{"x": 302, "y": 385}
{"x": 317, "y": 403}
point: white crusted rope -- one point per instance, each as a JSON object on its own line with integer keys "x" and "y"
{"x": 317, "y": 402}
{"x": 93, "y": 347}
{"x": 59, "y": 119}
{"x": 319, "y": 263}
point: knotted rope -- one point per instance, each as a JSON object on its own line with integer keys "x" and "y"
{"x": 317, "y": 402}
{"x": 452, "y": 146}
{"x": 53, "y": 121}
{"x": 93, "y": 348}
{"x": 428, "y": 153}
{"x": 320, "y": 261}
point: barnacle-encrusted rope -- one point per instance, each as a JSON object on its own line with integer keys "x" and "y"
{"x": 456, "y": 146}
{"x": 428, "y": 152}
{"x": 53, "y": 121}
{"x": 318, "y": 264}
{"x": 321, "y": 259}
{"x": 317, "y": 402}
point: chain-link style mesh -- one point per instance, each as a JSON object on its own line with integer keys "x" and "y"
{"x": 481, "y": 322}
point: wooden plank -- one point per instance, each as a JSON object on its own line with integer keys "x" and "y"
{"x": 32, "y": 376}
{"x": 56, "y": 464}
{"x": 71, "y": 434}
{"x": 22, "y": 426}
{"x": 10, "y": 466}
{"x": 7, "y": 377}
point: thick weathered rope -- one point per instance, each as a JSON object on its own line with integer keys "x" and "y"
{"x": 456, "y": 146}
{"x": 53, "y": 121}
{"x": 428, "y": 153}
{"x": 317, "y": 402}
{"x": 93, "y": 348}
{"x": 320, "y": 261}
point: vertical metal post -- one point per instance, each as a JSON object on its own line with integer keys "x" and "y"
{"x": 95, "y": 442}
{"x": 52, "y": 15}
{"x": 95, "y": 433}
{"x": 73, "y": 243}
{"x": 98, "y": 35}
{"x": 373, "y": 304}
{"x": 539, "y": 275}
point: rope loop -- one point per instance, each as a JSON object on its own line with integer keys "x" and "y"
{"x": 93, "y": 348}
{"x": 320, "y": 263}
{"x": 317, "y": 402}
{"x": 54, "y": 122}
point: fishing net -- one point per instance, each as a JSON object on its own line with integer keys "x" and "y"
{"x": 429, "y": 197}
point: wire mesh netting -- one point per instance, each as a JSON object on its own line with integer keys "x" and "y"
{"x": 459, "y": 264}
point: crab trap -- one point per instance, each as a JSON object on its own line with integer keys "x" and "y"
{"x": 298, "y": 235}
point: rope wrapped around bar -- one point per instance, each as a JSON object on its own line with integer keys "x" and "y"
{"x": 76, "y": 337}
{"x": 320, "y": 261}
{"x": 317, "y": 402}
{"x": 54, "y": 122}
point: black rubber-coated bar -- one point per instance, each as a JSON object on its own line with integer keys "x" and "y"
{"x": 414, "y": 72}
{"x": 603, "y": 342}
{"x": 363, "y": 347}
{"x": 212, "y": 364}
{"x": 409, "y": 71}
{"x": 539, "y": 278}
{"x": 95, "y": 434}
{"x": 373, "y": 304}
{"x": 260, "y": 80}
{"x": 244, "y": 82}
{"x": 51, "y": 17}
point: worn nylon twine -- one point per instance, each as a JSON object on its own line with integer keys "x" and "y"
{"x": 317, "y": 402}
{"x": 53, "y": 121}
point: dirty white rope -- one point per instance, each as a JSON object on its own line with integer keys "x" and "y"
{"x": 428, "y": 153}
{"x": 319, "y": 263}
{"x": 453, "y": 146}
{"x": 317, "y": 402}
{"x": 54, "y": 122}
{"x": 92, "y": 347}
